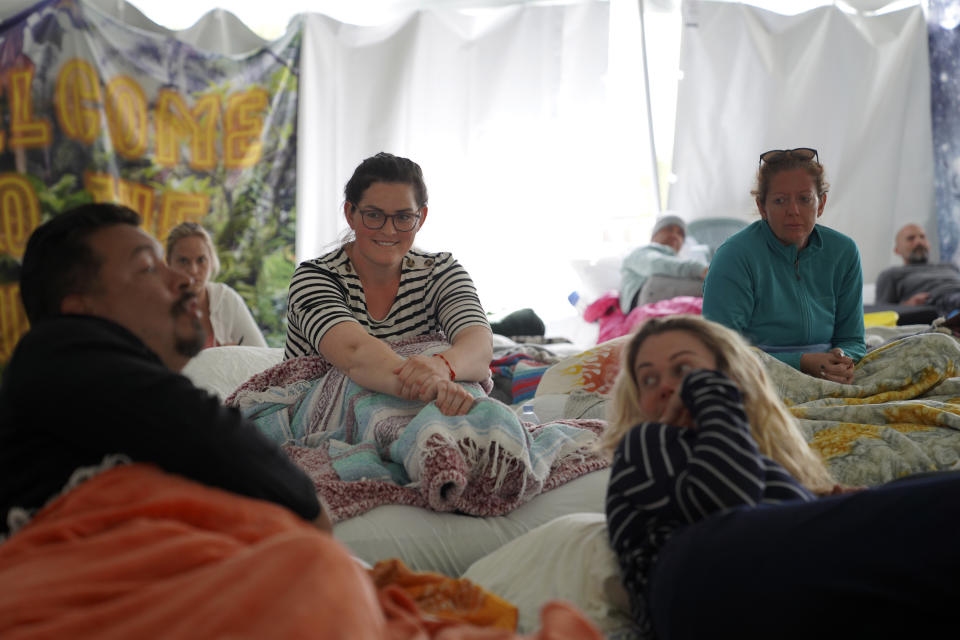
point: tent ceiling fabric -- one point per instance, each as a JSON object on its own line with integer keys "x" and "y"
{"x": 219, "y": 31}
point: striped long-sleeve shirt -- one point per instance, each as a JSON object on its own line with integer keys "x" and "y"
{"x": 665, "y": 477}
{"x": 435, "y": 295}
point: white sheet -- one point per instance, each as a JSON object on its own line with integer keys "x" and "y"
{"x": 449, "y": 543}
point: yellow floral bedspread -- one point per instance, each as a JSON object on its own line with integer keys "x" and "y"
{"x": 901, "y": 415}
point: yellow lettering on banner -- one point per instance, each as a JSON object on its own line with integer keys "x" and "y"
{"x": 78, "y": 100}
{"x": 13, "y": 319}
{"x": 127, "y": 117}
{"x": 140, "y": 198}
{"x": 175, "y": 121}
{"x": 105, "y": 187}
{"x": 102, "y": 186}
{"x": 26, "y": 131}
{"x": 178, "y": 207}
{"x": 21, "y": 213}
{"x": 243, "y": 128}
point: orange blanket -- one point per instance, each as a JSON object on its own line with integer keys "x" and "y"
{"x": 138, "y": 553}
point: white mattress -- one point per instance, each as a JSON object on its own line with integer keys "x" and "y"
{"x": 449, "y": 543}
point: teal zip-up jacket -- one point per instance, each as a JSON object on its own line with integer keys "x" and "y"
{"x": 774, "y": 295}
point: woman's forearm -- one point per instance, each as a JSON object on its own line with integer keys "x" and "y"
{"x": 470, "y": 354}
{"x": 366, "y": 360}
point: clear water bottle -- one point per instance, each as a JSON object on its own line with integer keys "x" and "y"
{"x": 527, "y": 414}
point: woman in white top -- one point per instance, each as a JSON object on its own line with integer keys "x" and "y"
{"x": 225, "y": 315}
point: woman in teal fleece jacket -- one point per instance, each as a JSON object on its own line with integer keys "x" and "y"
{"x": 792, "y": 287}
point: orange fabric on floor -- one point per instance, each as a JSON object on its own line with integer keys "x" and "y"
{"x": 451, "y": 599}
{"x": 559, "y": 621}
{"x": 138, "y": 553}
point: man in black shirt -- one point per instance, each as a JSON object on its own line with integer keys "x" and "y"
{"x": 98, "y": 374}
{"x": 918, "y": 282}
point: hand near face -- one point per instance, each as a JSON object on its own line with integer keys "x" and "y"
{"x": 675, "y": 413}
{"x": 917, "y": 300}
{"x": 832, "y": 365}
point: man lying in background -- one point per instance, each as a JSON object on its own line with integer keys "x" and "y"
{"x": 918, "y": 281}
{"x": 659, "y": 258}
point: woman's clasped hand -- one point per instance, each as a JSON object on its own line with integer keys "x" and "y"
{"x": 832, "y": 365}
{"x": 429, "y": 379}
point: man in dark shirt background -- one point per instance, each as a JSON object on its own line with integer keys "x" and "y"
{"x": 98, "y": 374}
{"x": 919, "y": 282}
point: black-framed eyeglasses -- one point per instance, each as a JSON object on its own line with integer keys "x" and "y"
{"x": 801, "y": 153}
{"x": 373, "y": 219}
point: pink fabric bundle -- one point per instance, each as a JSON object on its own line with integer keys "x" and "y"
{"x": 613, "y": 322}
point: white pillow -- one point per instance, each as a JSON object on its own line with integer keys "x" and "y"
{"x": 567, "y": 558}
{"x": 598, "y": 276}
{"x": 220, "y": 370}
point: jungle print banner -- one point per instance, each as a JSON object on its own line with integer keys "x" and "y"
{"x": 94, "y": 110}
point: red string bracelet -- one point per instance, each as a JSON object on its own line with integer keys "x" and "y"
{"x": 453, "y": 376}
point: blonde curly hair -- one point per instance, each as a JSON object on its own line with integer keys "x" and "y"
{"x": 771, "y": 425}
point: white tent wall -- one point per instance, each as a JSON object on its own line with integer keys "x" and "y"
{"x": 855, "y": 87}
{"x": 509, "y": 115}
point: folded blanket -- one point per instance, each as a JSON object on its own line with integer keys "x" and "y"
{"x": 523, "y": 373}
{"x": 364, "y": 448}
{"x": 137, "y": 553}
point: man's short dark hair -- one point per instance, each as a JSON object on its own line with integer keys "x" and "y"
{"x": 58, "y": 260}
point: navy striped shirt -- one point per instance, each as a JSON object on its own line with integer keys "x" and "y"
{"x": 665, "y": 477}
{"x": 436, "y": 295}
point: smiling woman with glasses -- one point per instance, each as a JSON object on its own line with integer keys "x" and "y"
{"x": 377, "y": 287}
{"x": 791, "y": 286}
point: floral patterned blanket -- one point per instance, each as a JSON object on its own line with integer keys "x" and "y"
{"x": 901, "y": 415}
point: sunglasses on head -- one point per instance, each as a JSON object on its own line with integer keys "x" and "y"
{"x": 801, "y": 153}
